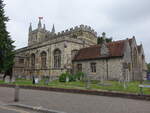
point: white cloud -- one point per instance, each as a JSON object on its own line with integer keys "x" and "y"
{"x": 118, "y": 18}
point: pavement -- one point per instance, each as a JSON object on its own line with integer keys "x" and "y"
{"x": 5, "y": 110}
{"x": 10, "y": 108}
{"x": 13, "y": 109}
{"x": 73, "y": 103}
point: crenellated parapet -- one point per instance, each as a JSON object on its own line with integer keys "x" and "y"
{"x": 77, "y": 29}
{"x": 40, "y": 34}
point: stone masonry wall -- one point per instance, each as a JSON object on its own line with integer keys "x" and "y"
{"x": 110, "y": 69}
{"x": 65, "y": 44}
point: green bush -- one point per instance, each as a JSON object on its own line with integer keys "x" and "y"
{"x": 72, "y": 78}
{"x": 63, "y": 77}
{"x": 79, "y": 76}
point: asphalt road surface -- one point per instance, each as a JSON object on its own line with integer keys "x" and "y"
{"x": 8, "y": 109}
{"x": 75, "y": 103}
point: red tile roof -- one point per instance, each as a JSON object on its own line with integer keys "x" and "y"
{"x": 93, "y": 52}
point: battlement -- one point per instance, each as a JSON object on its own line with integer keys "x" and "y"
{"x": 41, "y": 34}
{"x": 76, "y": 29}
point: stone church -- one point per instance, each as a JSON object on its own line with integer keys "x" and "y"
{"x": 75, "y": 49}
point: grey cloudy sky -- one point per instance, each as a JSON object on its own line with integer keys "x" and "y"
{"x": 120, "y": 19}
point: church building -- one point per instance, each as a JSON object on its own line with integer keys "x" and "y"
{"x": 49, "y": 54}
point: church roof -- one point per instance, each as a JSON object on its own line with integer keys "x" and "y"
{"x": 115, "y": 48}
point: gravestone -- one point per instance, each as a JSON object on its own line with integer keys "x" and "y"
{"x": 67, "y": 79}
{"x": 46, "y": 80}
{"x": 87, "y": 81}
{"x": 13, "y": 80}
{"x": 105, "y": 84}
{"x": 7, "y": 79}
{"x": 36, "y": 80}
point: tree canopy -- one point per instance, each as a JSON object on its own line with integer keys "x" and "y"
{"x": 103, "y": 38}
{"x": 6, "y": 43}
{"x": 148, "y": 67}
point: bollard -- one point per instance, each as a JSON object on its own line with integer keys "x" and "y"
{"x": 16, "y": 98}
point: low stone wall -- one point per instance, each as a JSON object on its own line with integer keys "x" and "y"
{"x": 81, "y": 91}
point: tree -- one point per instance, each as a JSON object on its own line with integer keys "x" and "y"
{"x": 6, "y": 43}
{"x": 148, "y": 67}
{"x": 103, "y": 38}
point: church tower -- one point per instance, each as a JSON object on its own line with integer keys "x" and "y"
{"x": 37, "y": 35}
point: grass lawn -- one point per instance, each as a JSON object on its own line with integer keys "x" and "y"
{"x": 94, "y": 85}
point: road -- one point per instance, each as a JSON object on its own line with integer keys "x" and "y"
{"x": 8, "y": 109}
{"x": 4, "y": 108}
{"x": 76, "y": 103}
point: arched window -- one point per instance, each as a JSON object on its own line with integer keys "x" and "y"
{"x": 33, "y": 60}
{"x": 43, "y": 59}
{"x": 57, "y": 58}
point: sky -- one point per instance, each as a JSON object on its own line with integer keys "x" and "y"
{"x": 120, "y": 19}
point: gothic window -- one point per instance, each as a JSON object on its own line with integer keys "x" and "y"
{"x": 33, "y": 60}
{"x": 57, "y": 58}
{"x": 79, "y": 67}
{"x": 43, "y": 59}
{"x": 93, "y": 67}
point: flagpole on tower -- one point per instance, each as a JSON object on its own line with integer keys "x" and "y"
{"x": 39, "y": 24}
{"x": 40, "y": 18}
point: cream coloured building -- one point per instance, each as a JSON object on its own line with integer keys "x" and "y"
{"x": 50, "y": 54}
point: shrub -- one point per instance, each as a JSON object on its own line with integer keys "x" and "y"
{"x": 79, "y": 75}
{"x": 72, "y": 78}
{"x": 63, "y": 77}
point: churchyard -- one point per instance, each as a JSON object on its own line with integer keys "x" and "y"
{"x": 127, "y": 87}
